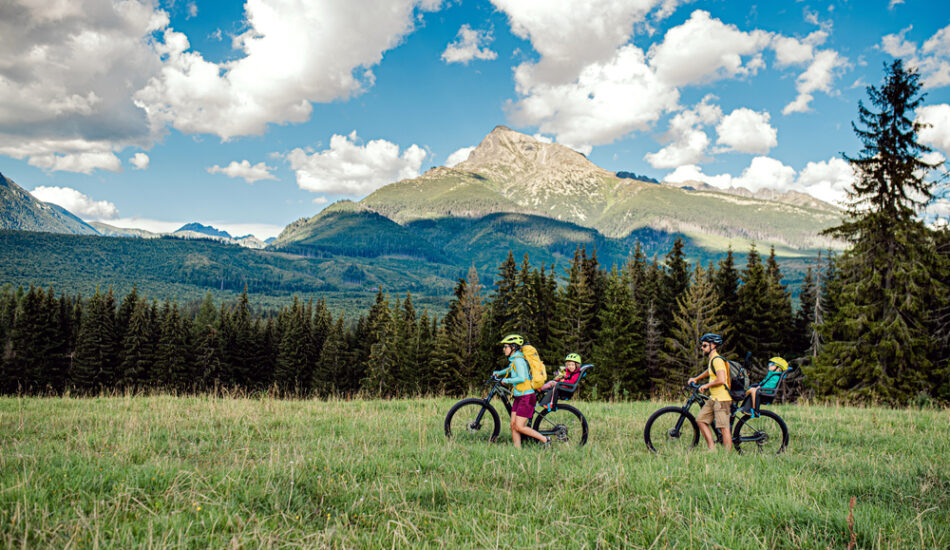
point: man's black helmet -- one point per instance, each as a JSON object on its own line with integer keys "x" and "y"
{"x": 712, "y": 338}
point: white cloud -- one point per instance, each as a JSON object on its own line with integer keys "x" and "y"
{"x": 295, "y": 52}
{"x": 569, "y": 35}
{"x": 245, "y": 170}
{"x": 828, "y": 180}
{"x": 817, "y": 77}
{"x": 762, "y": 172}
{"x": 139, "y": 161}
{"x": 76, "y": 202}
{"x": 704, "y": 49}
{"x": 938, "y": 134}
{"x": 354, "y": 170}
{"x": 932, "y": 60}
{"x": 893, "y": 3}
{"x": 747, "y": 131}
{"x": 605, "y": 102}
{"x": 897, "y": 46}
{"x": 686, "y": 138}
{"x": 319, "y": 200}
{"x": 68, "y": 72}
{"x": 192, "y": 10}
{"x": 459, "y": 156}
{"x": 791, "y": 51}
{"x": 82, "y": 162}
{"x": 470, "y": 44}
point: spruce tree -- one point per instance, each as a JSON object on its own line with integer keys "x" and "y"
{"x": 698, "y": 312}
{"x": 573, "y": 326}
{"x": 499, "y": 312}
{"x": 727, "y": 292}
{"x": 780, "y": 327}
{"x": 457, "y": 362}
{"x": 331, "y": 371}
{"x": 878, "y": 344}
{"x": 94, "y": 362}
{"x": 292, "y": 373}
{"x": 173, "y": 360}
{"x": 675, "y": 282}
{"x": 380, "y": 376}
{"x": 138, "y": 355}
{"x": 619, "y": 348}
{"x": 754, "y": 326}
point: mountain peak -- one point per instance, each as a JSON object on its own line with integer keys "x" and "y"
{"x": 505, "y": 154}
{"x": 204, "y": 229}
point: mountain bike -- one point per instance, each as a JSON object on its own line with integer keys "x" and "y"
{"x": 672, "y": 428}
{"x": 475, "y": 419}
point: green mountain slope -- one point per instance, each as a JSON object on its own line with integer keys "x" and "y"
{"x": 349, "y": 229}
{"x": 187, "y": 269}
{"x": 20, "y": 210}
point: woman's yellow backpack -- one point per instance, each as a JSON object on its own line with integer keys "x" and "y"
{"x": 539, "y": 375}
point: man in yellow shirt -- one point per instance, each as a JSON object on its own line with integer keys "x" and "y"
{"x": 716, "y": 409}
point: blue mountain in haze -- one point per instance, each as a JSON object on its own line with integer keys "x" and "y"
{"x": 204, "y": 229}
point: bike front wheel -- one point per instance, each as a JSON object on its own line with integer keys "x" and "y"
{"x": 766, "y": 434}
{"x": 671, "y": 430}
{"x": 472, "y": 420}
{"x": 565, "y": 425}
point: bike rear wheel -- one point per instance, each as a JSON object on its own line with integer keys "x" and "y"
{"x": 766, "y": 434}
{"x": 472, "y": 420}
{"x": 565, "y": 425}
{"x": 671, "y": 430}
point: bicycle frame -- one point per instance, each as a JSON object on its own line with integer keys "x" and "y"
{"x": 696, "y": 397}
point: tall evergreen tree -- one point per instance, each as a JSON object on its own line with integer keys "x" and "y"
{"x": 780, "y": 328}
{"x": 754, "y": 327}
{"x": 138, "y": 355}
{"x": 295, "y": 352}
{"x": 332, "y": 371}
{"x": 379, "y": 378}
{"x": 619, "y": 347}
{"x": 94, "y": 362}
{"x": 457, "y": 365}
{"x": 573, "y": 327}
{"x": 698, "y": 312}
{"x": 727, "y": 291}
{"x": 173, "y": 355}
{"x": 675, "y": 282}
{"x": 878, "y": 345}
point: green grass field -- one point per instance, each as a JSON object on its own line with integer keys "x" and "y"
{"x": 203, "y": 472}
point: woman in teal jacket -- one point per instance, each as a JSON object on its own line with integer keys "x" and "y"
{"x": 519, "y": 375}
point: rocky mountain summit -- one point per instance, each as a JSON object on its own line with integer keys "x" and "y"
{"x": 22, "y": 211}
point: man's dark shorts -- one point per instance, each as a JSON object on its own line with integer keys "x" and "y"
{"x": 523, "y": 405}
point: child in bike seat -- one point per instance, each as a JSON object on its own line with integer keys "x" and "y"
{"x": 777, "y": 366}
{"x": 570, "y": 373}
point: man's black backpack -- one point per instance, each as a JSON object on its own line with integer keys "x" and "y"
{"x": 738, "y": 377}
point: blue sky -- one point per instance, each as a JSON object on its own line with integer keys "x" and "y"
{"x": 248, "y": 117}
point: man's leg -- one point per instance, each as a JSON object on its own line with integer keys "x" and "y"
{"x": 722, "y": 421}
{"x": 707, "y": 435}
{"x": 704, "y": 419}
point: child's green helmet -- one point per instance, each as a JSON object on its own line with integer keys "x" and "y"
{"x": 515, "y": 339}
{"x": 573, "y": 357}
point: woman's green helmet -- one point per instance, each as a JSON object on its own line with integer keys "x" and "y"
{"x": 515, "y": 339}
{"x": 573, "y": 357}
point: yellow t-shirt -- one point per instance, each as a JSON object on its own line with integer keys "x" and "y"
{"x": 719, "y": 393}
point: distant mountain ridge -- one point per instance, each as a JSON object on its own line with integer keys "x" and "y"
{"x": 204, "y": 229}
{"x": 510, "y": 172}
{"x": 22, "y": 211}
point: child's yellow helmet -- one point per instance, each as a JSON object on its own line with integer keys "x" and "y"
{"x": 779, "y": 362}
{"x": 573, "y": 357}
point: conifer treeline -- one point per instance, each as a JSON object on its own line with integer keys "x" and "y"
{"x": 639, "y": 324}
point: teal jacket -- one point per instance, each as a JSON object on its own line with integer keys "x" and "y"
{"x": 516, "y": 373}
{"x": 770, "y": 382}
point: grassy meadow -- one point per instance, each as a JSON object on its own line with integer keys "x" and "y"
{"x": 203, "y": 472}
